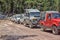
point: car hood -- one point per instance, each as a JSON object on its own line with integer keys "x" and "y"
{"x": 58, "y": 20}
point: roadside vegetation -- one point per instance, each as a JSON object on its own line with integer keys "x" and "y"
{"x": 18, "y": 6}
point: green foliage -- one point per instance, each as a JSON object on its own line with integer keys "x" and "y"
{"x": 18, "y": 6}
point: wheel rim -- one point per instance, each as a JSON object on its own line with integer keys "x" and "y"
{"x": 24, "y": 24}
{"x": 43, "y": 28}
{"x": 30, "y": 26}
{"x": 55, "y": 31}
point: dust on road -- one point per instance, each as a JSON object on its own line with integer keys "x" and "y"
{"x": 13, "y": 31}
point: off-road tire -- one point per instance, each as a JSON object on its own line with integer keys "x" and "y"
{"x": 25, "y": 24}
{"x": 30, "y": 26}
{"x": 43, "y": 28}
{"x": 18, "y": 22}
{"x": 55, "y": 30}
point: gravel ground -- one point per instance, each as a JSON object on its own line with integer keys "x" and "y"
{"x": 13, "y": 31}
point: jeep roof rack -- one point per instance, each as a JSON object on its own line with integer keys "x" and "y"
{"x": 52, "y": 12}
{"x": 49, "y": 12}
{"x": 32, "y": 10}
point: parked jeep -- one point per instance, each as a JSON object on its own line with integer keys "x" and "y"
{"x": 50, "y": 20}
{"x": 16, "y": 18}
{"x": 22, "y": 18}
{"x": 32, "y": 16}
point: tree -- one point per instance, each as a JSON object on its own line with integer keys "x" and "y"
{"x": 18, "y": 6}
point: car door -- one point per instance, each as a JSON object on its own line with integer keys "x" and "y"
{"x": 48, "y": 20}
{"x": 26, "y": 18}
{"x": 21, "y": 18}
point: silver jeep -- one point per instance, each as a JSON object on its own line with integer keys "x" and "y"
{"x": 32, "y": 16}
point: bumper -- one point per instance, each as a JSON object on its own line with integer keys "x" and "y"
{"x": 36, "y": 24}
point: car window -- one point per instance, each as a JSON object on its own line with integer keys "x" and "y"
{"x": 37, "y": 14}
{"x": 49, "y": 16}
{"x": 56, "y": 15}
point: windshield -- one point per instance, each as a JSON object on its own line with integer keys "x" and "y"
{"x": 56, "y": 15}
{"x": 18, "y": 16}
{"x": 37, "y": 14}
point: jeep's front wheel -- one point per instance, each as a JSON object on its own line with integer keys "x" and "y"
{"x": 55, "y": 30}
{"x": 43, "y": 28}
{"x": 30, "y": 26}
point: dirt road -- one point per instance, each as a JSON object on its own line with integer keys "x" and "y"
{"x": 13, "y": 31}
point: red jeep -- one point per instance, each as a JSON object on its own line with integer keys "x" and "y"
{"x": 50, "y": 20}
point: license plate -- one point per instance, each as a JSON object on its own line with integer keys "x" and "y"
{"x": 38, "y": 25}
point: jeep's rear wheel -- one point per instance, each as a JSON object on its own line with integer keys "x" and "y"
{"x": 24, "y": 23}
{"x": 55, "y": 30}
